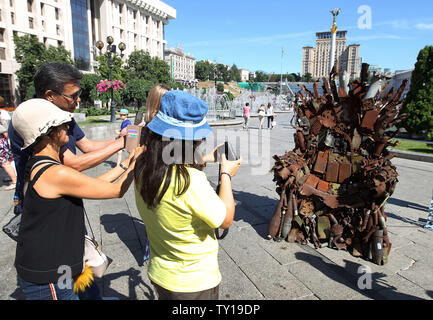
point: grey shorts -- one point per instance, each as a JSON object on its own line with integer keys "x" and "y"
{"x": 164, "y": 294}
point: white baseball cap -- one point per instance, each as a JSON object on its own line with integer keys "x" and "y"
{"x": 33, "y": 118}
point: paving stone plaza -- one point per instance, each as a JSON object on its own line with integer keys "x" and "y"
{"x": 251, "y": 266}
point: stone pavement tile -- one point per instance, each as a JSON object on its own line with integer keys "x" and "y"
{"x": 113, "y": 232}
{"x": 398, "y": 241}
{"x": 324, "y": 279}
{"x": 126, "y": 277}
{"x": 242, "y": 247}
{"x": 420, "y": 274}
{"x": 6, "y": 206}
{"x": 129, "y": 198}
{"x": 283, "y": 251}
{"x": 274, "y": 281}
{"x": 386, "y": 281}
{"x": 8, "y": 281}
{"x": 421, "y": 237}
{"x": 114, "y": 206}
{"x": 398, "y": 261}
{"x": 402, "y": 230}
{"x": 418, "y": 253}
{"x": 399, "y": 288}
{"x": 244, "y": 217}
{"x": 7, "y": 247}
{"x": 235, "y": 284}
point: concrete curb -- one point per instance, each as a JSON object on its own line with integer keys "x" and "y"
{"x": 412, "y": 155}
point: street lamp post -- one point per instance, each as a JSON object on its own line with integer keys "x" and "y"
{"x": 111, "y": 48}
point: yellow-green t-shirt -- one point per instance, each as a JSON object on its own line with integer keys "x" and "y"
{"x": 183, "y": 246}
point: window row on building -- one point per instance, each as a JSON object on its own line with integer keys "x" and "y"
{"x": 78, "y": 25}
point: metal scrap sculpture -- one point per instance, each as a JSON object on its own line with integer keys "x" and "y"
{"x": 333, "y": 186}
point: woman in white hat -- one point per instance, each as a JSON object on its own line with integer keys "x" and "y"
{"x": 51, "y": 236}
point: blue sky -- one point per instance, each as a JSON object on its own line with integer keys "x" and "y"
{"x": 252, "y": 33}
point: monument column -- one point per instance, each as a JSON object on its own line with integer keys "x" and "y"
{"x": 334, "y": 28}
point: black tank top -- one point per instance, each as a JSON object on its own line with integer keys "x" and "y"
{"x": 51, "y": 235}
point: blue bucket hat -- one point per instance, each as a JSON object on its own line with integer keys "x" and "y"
{"x": 124, "y": 111}
{"x": 181, "y": 116}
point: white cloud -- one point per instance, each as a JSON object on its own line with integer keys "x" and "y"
{"x": 424, "y": 26}
{"x": 260, "y": 40}
{"x": 376, "y": 37}
{"x": 396, "y": 24}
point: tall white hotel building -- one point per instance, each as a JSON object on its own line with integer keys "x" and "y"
{"x": 77, "y": 25}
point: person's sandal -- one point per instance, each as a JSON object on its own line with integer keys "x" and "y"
{"x": 10, "y": 187}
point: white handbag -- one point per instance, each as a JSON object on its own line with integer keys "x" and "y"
{"x": 93, "y": 255}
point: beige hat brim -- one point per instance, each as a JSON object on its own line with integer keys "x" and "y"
{"x": 33, "y": 118}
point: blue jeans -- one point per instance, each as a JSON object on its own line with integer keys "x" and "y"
{"x": 91, "y": 293}
{"x": 49, "y": 291}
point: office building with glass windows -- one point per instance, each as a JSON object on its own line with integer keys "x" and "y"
{"x": 77, "y": 25}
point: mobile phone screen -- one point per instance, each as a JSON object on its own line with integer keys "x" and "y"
{"x": 228, "y": 150}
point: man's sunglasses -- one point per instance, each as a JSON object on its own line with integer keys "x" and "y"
{"x": 74, "y": 96}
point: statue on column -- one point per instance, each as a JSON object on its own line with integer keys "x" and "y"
{"x": 335, "y": 13}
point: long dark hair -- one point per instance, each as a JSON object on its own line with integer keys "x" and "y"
{"x": 151, "y": 169}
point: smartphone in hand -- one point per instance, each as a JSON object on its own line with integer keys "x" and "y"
{"x": 228, "y": 150}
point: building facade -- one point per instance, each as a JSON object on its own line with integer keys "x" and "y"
{"x": 182, "y": 65}
{"x": 245, "y": 75}
{"x": 317, "y": 61}
{"x": 77, "y": 25}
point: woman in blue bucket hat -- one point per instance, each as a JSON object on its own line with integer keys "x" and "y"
{"x": 177, "y": 203}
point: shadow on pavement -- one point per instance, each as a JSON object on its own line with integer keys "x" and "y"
{"x": 420, "y": 223}
{"x": 134, "y": 281}
{"x": 127, "y": 232}
{"x": 254, "y": 209}
{"x": 407, "y": 204}
{"x": 351, "y": 275}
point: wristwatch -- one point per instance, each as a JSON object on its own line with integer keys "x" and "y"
{"x": 123, "y": 167}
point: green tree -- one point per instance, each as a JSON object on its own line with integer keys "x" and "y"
{"x": 137, "y": 90}
{"x": 204, "y": 71}
{"x": 160, "y": 70}
{"x": 104, "y": 69}
{"x": 220, "y": 87}
{"x": 307, "y": 77}
{"x": 141, "y": 65}
{"x": 222, "y": 72}
{"x": 419, "y": 101}
{"x": 261, "y": 76}
{"x": 88, "y": 86}
{"x": 235, "y": 74}
{"x": 58, "y": 54}
{"x": 31, "y": 54}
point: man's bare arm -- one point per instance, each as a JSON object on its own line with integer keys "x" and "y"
{"x": 93, "y": 158}
{"x": 86, "y": 145}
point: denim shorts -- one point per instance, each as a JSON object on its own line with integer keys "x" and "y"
{"x": 49, "y": 291}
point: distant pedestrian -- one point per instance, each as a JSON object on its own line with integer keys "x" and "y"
{"x": 6, "y": 156}
{"x": 262, "y": 114}
{"x": 270, "y": 114}
{"x": 247, "y": 110}
{"x": 125, "y": 122}
{"x": 429, "y": 223}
